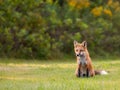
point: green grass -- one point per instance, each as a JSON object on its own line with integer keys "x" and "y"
{"x": 56, "y": 75}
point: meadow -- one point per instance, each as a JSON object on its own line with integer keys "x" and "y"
{"x": 56, "y": 75}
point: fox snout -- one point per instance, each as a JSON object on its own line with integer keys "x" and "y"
{"x": 81, "y": 54}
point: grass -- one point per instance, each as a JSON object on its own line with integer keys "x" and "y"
{"x": 56, "y": 75}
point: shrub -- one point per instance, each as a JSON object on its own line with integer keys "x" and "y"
{"x": 47, "y": 28}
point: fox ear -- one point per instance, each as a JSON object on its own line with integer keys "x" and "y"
{"x": 84, "y": 43}
{"x": 75, "y": 42}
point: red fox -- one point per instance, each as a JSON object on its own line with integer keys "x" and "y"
{"x": 84, "y": 63}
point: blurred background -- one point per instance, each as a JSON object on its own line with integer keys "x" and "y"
{"x": 46, "y": 29}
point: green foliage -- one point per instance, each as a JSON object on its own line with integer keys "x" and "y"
{"x": 47, "y": 28}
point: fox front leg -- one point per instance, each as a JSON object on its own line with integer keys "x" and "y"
{"x": 78, "y": 72}
{"x": 87, "y": 73}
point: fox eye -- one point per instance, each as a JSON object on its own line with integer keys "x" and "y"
{"x": 76, "y": 50}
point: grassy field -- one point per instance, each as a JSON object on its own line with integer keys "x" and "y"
{"x": 56, "y": 75}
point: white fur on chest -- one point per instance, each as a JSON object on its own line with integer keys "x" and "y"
{"x": 83, "y": 62}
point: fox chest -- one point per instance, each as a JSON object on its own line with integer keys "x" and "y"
{"x": 83, "y": 66}
{"x": 82, "y": 62}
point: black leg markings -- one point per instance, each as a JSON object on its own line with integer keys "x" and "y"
{"x": 79, "y": 73}
{"x": 87, "y": 72}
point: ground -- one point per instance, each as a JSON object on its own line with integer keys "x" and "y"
{"x": 56, "y": 75}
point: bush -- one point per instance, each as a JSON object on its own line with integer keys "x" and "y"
{"x": 47, "y": 28}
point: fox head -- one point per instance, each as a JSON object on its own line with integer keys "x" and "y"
{"x": 80, "y": 49}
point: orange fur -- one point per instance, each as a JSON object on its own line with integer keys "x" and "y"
{"x": 83, "y": 59}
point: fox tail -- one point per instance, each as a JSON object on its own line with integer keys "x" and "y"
{"x": 101, "y": 72}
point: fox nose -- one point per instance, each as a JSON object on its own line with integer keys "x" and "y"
{"x": 78, "y": 55}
